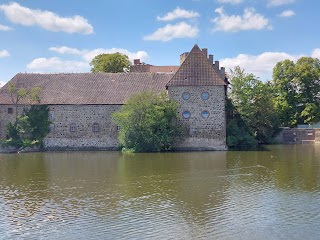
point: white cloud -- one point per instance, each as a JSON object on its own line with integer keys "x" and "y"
{"x": 316, "y": 53}
{"x": 260, "y": 65}
{"x": 5, "y": 28}
{"x": 4, "y": 53}
{"x": 45, "y": 19}
{"x": 280, "y": 2}
{"x": 230, "y": 1}
{"x": 2, "y": 83}
{"x": 66, "y": 50}
{"x": 172, "y": 31}
{"x": 250, "y": 20}
{"x": 287, "y": 13}
{"x": 56, "y": 64}
{"x": 178, "y": 13}
{"x": 88, "y": 55}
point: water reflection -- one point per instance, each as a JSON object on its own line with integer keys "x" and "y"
{"x": 225, "y": 195}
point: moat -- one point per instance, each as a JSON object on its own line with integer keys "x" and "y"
{"x": 269, "y": 194}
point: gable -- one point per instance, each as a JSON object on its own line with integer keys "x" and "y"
{"x": 196, "y": 70}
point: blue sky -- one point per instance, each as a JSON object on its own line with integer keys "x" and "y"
{"x": 63, "y": 36}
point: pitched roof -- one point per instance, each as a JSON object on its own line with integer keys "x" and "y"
{"x": 196, "y": 71}
{"x": 87, "y": 88}
{"x": 155, "y": 69}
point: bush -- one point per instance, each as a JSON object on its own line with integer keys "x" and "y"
{"x": 148, "y": 123}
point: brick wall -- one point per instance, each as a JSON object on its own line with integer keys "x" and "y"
{"x": 202, "y": 133}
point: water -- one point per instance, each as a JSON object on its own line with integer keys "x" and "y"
{"x": 269, "y": 194}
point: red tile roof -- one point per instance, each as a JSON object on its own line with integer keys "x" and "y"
{"x": 87, "y": 88}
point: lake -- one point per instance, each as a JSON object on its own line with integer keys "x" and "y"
{"x": 273, "y": 193}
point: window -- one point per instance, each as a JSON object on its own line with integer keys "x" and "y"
{"x": 10, "y": 110}
{"x": 186, "y": 96}
{"x": 205, "y": 95}
{"x": 73, "y": 127}
{"x": 118, "y": 128}
{"x": 186, "y": 114}
{"x": 51, "y": 127}
{"x": 205, "y": 114}
{"x": 95, "y": 127}
{"x": 51, "y": 115}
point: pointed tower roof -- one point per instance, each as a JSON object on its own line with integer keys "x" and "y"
{"x": 196, "y": 70}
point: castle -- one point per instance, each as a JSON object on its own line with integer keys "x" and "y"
{"x": 81, "y": 104}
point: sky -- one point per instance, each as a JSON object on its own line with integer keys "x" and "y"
{"x": 63, "y": 36}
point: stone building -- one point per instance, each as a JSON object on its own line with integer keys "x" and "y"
{"x": 81, "y": 104}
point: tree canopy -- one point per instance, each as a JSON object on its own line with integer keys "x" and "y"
{"x": 297, "y": 91}
{"x": 148, "y": 122}
{"x": 113, "y": 62}
{"x": 252, "y": 100}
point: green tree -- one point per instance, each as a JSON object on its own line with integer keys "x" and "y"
{"x": 297, "y": 88}
{"x": 148, "y": 123}
{"x": 253, "y": 101}
{"x": 30, "y": 128}
{"x": 113, "y": 62}
{"x": 17, "y": 94}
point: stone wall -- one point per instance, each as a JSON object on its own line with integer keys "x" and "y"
{"x": 6, "y": 117}
{"x": 83, "y": 135}
{"x": 202, "y": 133}
{"x": 298, "y": 136}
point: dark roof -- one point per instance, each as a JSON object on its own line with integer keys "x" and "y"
{"x": 87, "y": 88}
{"x": 196, "y": 70}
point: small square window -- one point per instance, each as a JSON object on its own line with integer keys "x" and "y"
{"x": 51, "y": 127}
{"x": 10, "y": 110}
{"x": 51, "y": 115}
{"x": 73, "y": 127}
{"x": 95, "y": 127}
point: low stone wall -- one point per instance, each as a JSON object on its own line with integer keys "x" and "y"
{"x": 298, "y": 136}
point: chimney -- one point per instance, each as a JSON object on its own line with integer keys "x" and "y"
{"x": 222, "y": 72}
{"x": 205, "y": 51}
{"x": 210, "y": 58}
{"x": 136, "y": 61}
{"x": 183, "y": 57}
{"x": 216, "y": 64}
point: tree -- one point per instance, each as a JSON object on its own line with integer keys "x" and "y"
{"x": 30, "y": 128}
{"x": 17, "y": 94}
{"x": 253, "y": 100}
{"x": 148, "y": 123}
{"x": 297, "y": 91}
{"x": 113, "y": 62}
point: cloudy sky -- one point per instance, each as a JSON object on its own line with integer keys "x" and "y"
{"x": 63, "y": 36}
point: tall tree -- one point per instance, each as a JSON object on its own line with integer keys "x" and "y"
{"x": 113, "y": 62}
{"x": 253, "y": 101}
{"x": 297, "y": 90}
